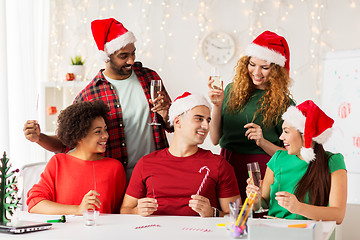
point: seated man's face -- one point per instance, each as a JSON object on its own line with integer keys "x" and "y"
{"x": 194, "y": 125}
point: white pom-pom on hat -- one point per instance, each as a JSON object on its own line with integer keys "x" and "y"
{"x": 103, "y": 56}
{"x": 307, "y": 154}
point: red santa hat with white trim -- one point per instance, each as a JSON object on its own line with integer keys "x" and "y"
{"x": 110, "y": 35}
{"x": 311, "y": 121}
{"x": 184, "y": 103}
{"x": 270, "y": 47}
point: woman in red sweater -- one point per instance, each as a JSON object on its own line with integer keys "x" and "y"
{"x": 83, "y": 178}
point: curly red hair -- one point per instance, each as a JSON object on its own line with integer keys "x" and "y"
{"x": 276, "y": 99}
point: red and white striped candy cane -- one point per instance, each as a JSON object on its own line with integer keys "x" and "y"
{"x": 204, "y": 179}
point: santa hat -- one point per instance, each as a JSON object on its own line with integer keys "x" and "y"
{"x": 184, "y": 103}
{"x": 310, "y": 120}
{"x": 110, "y": 36}
{"x": 270, "y": 47}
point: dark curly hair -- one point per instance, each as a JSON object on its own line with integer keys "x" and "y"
{"x": 276, "y": 99}
{"x": 74, "y": 122}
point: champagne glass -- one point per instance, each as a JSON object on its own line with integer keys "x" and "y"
{"x": 215, "y": 75}
{"x": 255, "y": 175}
{"x": 155, "y": 87}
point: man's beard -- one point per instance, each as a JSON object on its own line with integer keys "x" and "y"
{"x": 121, "y": 71}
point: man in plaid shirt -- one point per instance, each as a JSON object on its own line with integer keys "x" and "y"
{"x": 125, "y": 86}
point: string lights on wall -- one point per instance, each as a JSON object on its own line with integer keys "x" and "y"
{"x": 318, "y": 44}
{"x": 155, "y": 17}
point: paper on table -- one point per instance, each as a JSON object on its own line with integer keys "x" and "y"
{"x": 25, "y": 216}
{"x": 286, "y": 224}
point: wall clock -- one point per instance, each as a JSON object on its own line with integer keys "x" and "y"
{"x": 218, "y": 48}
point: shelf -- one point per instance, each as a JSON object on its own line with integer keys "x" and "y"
{"x": 65, "y": 84}
{"x": 59, "y": 94}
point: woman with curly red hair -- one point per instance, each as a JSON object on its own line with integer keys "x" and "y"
{"x": 246, "y": 118}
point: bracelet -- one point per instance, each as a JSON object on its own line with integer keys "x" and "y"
{"x": 216, "y": 212}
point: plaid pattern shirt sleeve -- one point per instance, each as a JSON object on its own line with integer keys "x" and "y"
{"x": 100, "y": 89}
{"x": 145, "y": 75}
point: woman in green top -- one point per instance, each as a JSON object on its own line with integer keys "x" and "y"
{"x": 246, "y": 118}
{"x": 304, "y": 182}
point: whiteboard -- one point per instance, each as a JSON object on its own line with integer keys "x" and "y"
{"x": 340, "y": 99}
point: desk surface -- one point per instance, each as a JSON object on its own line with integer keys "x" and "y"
{"x": 130, "y": 227}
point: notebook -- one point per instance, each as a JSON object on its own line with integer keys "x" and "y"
{"x": 24, "y": 227}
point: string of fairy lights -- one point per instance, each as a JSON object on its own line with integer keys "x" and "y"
{"x": 76, "y": 37}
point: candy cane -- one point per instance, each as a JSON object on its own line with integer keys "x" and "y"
{"x": 204, "y": 179}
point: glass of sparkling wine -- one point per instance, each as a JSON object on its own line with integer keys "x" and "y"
{"x": 155, "y": 87}
{"x": 255, "y": 175}
{"x": 215, "y": 75}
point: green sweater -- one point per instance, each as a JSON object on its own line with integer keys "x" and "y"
{"x": 233, "y": 132}
{"x": 292, "y": 169}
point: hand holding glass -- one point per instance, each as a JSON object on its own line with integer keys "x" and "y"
{"x": 255, "y": 175}
{"x": 155, "y": 87}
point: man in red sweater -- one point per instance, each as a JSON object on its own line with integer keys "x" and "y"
{"x": 183, "y": 179}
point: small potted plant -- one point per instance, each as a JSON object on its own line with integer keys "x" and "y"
{"x": 77, "y": 67}
{"x": 77, "y": 60}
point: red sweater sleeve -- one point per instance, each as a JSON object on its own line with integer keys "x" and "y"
{"x": 45, "y": 188}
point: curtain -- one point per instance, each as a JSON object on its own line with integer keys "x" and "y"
{"x": 24, "y": 34}
{"x": 4, "y": 109}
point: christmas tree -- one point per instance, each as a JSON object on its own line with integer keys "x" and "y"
{"x": 8, "y": 190}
